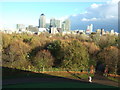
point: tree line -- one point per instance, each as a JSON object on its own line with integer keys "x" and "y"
{"x": 74, "y": 52}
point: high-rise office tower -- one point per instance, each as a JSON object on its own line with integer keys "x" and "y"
{"x": 52, "y": 22}
{"x": 66, "y": 25}
{"x": 57, "y": 22}
{"x": 91, "y": 28}
{"x": 88, "y": 29}
{"x": 63, "y": 26}
{"x": 102, "y": 31}
{"x": 42, "y": 21}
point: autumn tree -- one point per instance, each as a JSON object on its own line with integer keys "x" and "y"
{"x": 109, "y": 56}
{"x": 43, "y": 59}
{"x": 6, "y": 39}
{"x": 93, "y": 50}
{"x": 75, "y": 55}
{"x": 15, "y": 55}
{"x": 56, "y": 51}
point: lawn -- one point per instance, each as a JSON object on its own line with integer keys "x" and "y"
{"x": 57, "y": 85}
{"x": 67, "y": 80}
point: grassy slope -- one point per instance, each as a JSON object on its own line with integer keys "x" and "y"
{"x": 62, "y": 84}
{"x": 58, "y": 85}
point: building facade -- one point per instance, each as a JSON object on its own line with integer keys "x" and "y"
{"x": 42, "y": 21}
{"x": 20, "y": 27}
{"x": 66, "y": 25}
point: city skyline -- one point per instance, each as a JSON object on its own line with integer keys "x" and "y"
{"x": 28, "y": 13}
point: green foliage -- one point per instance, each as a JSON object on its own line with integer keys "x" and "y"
{"x": 109, "y": 56}
{"x": 105, "y": 40}
{"x": 93, "y": 50}
{"x": 6, "y": 39}
{"x": 56, "y": 51}
{"x": 43, "y": 59}
{"x": 75, "y": 56}
{"x": 15, "y": 55}
{"x": 69, "y": 51}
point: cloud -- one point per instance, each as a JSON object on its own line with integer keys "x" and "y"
{"x": 92, "y": 19}
{"x": 63, "y": 18}
{"x": 95, "y": 5}
{"x": 101, "y": 15}
{"x": 74, "y": 15}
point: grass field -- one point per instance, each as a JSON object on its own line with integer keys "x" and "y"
{"x": 65, "y": 80}
{"x": 57, "y": 85}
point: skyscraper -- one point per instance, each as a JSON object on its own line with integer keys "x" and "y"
{"x": 57, "y": 22}
{"x": 91, "y": 28}
{"x": 42, "y": 21}
{"x": 88, "y": 29}
{"x": 66, "y": 25}
{"x": 53, "y": 22}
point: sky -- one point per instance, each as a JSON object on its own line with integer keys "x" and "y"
{"x": 28, "y": 13}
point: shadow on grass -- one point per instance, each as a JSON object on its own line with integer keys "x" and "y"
{"x": 10, "y": 73}
{"x": 73, "y": 74}
{"x": 15, "y": 78}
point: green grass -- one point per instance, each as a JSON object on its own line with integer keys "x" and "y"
{"x": 57, "y": 85}
{"x": 24, "y": 74}
{"x": 20, "y": 74}
{"x": 113, "y": 79}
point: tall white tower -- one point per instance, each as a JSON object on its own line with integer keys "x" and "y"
{"x": 42, "y": 21}
{"x": 91, "y": 28}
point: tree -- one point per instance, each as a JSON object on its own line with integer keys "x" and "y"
{"x": 75, "y": 56}
{"x": 43, "y": 59}
{"x": 56, "y": 51}
{"x": 15, "y": 55}
{"x": 109, "y": 56}
{"x": 6, "y": 39}
{"x": 93, "y": 50}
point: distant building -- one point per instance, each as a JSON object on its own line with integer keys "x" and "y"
{"x": 55, "y": 23}
{"x": 53, "y": 30}
{"x": 112, "y": 32}
{"x": 32, "y": 28}
{"x": 63, "y": 26}
{"x": 66, "y": 25}
{"x": 67, "y": 32}
{"x": 42, "y": 30}
{"x": 20, "y": 27}
{"x": 47, "y": 25}
{"x": 79, "y": 31}
{"x": 59, "y": 30}
{"x": 52, "y": 22}
{"x": 89, "y": 29}
{"x": 42, "y": 21}
{"x": 102, "y": 31}
{"x": 58, "y": 25}
{"x": 98, "y": 31}
{"x": 116, "y": 33}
